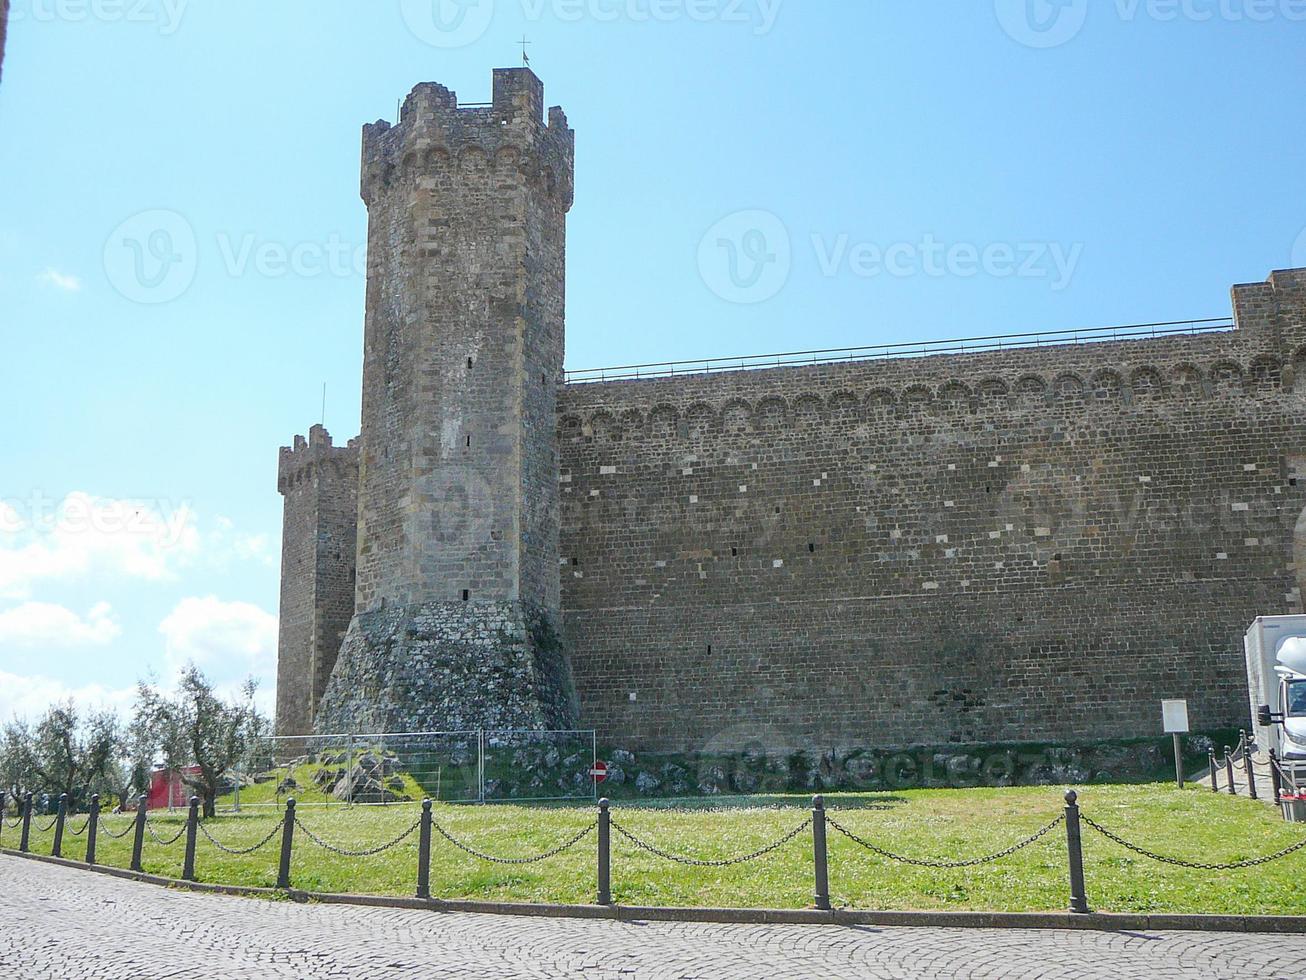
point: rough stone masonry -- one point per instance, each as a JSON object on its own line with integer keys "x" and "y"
{"x": 456, "y": 608}
{"x": 1020, "y": 545}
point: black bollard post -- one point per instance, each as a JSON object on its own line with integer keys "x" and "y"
{"x": 1228, "y": 770}
{"x": 27, "y": 821}
{"x": 1215, "y": 772}
{"x": 424, "y": 852}
{"x": 60, "y": 816}
{"x": 92, "y": 827}
{"x": 138, "y": 842}
{"x": 605, "y": 853}
{"x": 819, "y": 856}
{"x": 287, "y": 842}
{"x": 1248, "y": 765}
{"x": 1078, "y": 898}
{"x": 192, "y": 825}
{"x": 1276, "y": 778}
{"x": 3, "y": 799}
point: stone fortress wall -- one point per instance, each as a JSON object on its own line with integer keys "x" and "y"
{"x": 1035, "y": 544}
{"x": 1029, "y": 545}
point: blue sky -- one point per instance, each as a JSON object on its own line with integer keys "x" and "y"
{"x": 906, "y": 171}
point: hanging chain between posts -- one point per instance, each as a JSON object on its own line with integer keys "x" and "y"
{"x": 241, "y": 850}
{"x": 78, "y": 833}
{"x": 644, "y": 845}
{"x": 104, "y": 829}
{"x": 1196, "y": 865}
{"x": 166, "y": 843}
{"x": 367, "y": 852}
{"x": 933, "y": 863}
{"x": 553, "y": 852}
{"x": 48, "y": 827}
{"x": 1242, "y": 756}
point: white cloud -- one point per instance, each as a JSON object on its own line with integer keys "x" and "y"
{"x": 223, "y": 543}
{"x": 229, "y": 640}
{"x": 83, "y": 534}
{"x": 44, "y": 539}
{"x": 28, "y": 696}
{"x": 255, "y": 547}
{"x": 60, "y": 280}
{"x": 45, "y": 625}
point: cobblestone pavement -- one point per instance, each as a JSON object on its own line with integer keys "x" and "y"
{"x": 63, "y": 923}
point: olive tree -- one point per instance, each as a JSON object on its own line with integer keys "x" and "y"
{"x": 197, "y": 733}
{"x": 66, "y": 752}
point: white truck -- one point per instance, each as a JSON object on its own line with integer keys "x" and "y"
{"x": 1276, "y": 678}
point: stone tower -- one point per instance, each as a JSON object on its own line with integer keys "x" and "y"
{"x": 457, "y": 606}
{"x": 320, "y": 484}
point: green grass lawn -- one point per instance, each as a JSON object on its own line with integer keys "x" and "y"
{"x": 1192, "y": 824}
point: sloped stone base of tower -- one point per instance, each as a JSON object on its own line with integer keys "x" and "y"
{"x": 449, "y": 666}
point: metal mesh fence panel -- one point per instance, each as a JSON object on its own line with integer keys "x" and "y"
{"x": 553, "y": 765}
{"x": 341, "y": 769}
{"x": 301, "y": 766}
{"x": 407, "y": 767}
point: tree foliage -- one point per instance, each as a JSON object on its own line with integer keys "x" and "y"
{"x": 66, "y": 752}
{"x": 196, "y": 733}
{"x": 190, "y": 730}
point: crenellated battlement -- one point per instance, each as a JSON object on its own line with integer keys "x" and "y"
{"x": 311, "y": 457}
{"x": 434, "y": 135}
{"x": 1274, "y": 309}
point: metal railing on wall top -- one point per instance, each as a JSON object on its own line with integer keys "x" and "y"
{"x": 927, "y": 348}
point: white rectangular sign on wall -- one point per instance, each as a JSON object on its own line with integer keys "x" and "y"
{"x": 1175, "y": 716}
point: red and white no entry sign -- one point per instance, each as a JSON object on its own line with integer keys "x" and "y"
{"x": 600, "y": 771}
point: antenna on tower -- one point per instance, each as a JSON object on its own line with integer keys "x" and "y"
{"x": 324, "y": 403}
{"x": 525, "y": 58}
